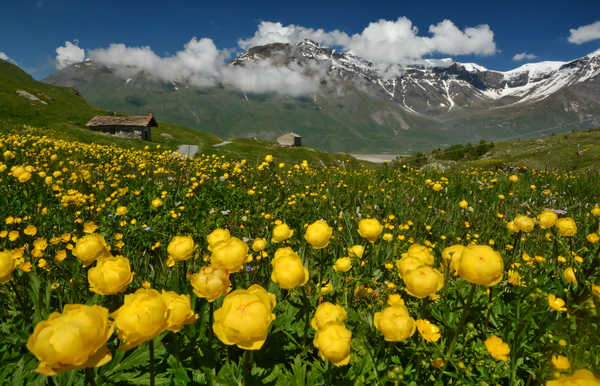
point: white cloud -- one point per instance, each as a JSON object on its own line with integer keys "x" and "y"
{"x": 69, "y": 54}
{"x": 524, "y": 55}
{"x": 201, "y": 64}
{"x": 385, "y": 41}
{"x": 585, "y": 33}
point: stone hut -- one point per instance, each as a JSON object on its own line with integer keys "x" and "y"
{"x": 290, "y": 140}
{"x": 124, "y": 127}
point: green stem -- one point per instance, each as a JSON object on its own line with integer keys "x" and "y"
{"x": 247, "y": 366}
{"x": 461, "y": 325}
{"x": 151, "y": 348}
{"x": 515, "y": 345}
{"x": 89, "y": 376}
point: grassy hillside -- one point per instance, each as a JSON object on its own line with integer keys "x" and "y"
{"x": 577, "y": 150}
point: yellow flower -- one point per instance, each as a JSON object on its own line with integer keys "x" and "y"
{"x": 370, "y": 229}
{"x": 288, "y": 271}
{"x": 20, "y": 173}
{"x": 142, "y": 317}
{"x": 343, "y": 264}
{"x": 245, "y": 317}
{"x": 420, "y": 252}
{"x": 356, "y": 251}
{"x": 547, "y": 219}
{"x": 180, "y": 310}
{"x": 524, "y": 223}
{"x": 593, "y": 238}
{"x": 122, "y": 210}
{"x": 210, "y": 283}
{"x": 515, "y": 278}
{"x": 394, "y": 323}
{"x": 30, "y": 230}
{"x": 327, "y": 313}
{"x": 423, "y": 281}
{"x": 157, "y": 203}
{"x": 318, "y": 234}
{"x": 334, "y": 342}
{"x": 259, "y": 244}
{"x": 217, "y": 236}
{"x": 569, "y": 274}
{"x": 557, "y": 304}
{"x": 7, "y": 266}
{"x": 281, "y": 232}
{"x": 111, "y": 275}
{"x": 230, "y": 255}
{"x": 387, "y": 237}
{"x": 437, "y": 187}
{"x": 428, "y": 331}
{"x": 596, "y": 290}
{"x": 580, "y": 377}
{"x": 407, "y": 263}
{"x": 566, "y": 226}
{"x": 480, "y": 264}
{"x": 40, "y": 243}
{"x": 395, "y": 299}
{"x": 89, "y": 248}
{"x": 560, "y": 362}
{"x": 90, "y": 227}
{"x": 452, "y": 254}
{"x": 513, "y": 178}
{"x": 497, "y": 348}
{"x": 71, "y": 340}
{"x": 269, "y": 158}
{"x": 512, "y": 227}
{"x": 326, "y": 288}
{"x": 463, "y": 204}
{"x": 180, "y": 248}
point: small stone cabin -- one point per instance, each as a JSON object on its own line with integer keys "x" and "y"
{"x": 125, "y": 127}
{"x": 290, "y": 140}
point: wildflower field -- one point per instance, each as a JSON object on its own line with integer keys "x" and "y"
{"x": 121, "y": 266}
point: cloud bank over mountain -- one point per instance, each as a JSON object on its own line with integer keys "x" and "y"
{"x": 386, "y": 43}
{"x": 585, "y": 33}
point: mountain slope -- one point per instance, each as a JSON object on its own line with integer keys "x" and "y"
{"x": 356, "y": 107}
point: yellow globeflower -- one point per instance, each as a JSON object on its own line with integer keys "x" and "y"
{"x": 343, "y": 264}
{"x": 420, "y": 252}
{"x": 7, "y": 266}
{"x": 497, "y": 348}
{"x": 318, "y": 234}
{"x": 122, "y": 210}
{"x": 143, "y": 316}
{"x": 217, "y": 236}
{"x": 210, "y": 283}
{"x": 452, "y": 254}
{"x": 230, "y": 255}
{"x": 327, "y": 313}
{"x": 281, "y": 232}
{"x": 423, "y": 281}
{"x": 334, "y": 342}
{"x": 566, "y": 226}
{"x": 407, "y": 263}
{"x": 73, "y": 339}
{"x": 357, "y": 251}
{"x": 524, "y": 223}
{"x": 593, "y": 238}
{"x": 111, "y": 275}
{"x": 245, "y": 317}
{"x": 557, "y": 304}
{"x": 370, "y": 229}
{"x": 180, "y": 248}
{"x": 437, "y": 187}
{"x": 513, "y": 178}
{"x": 463, "y": 204}
{"x": 569, "y": 275}
{"x": 595, "y": 210}
{"x": 180, "y": 310}
{"x": 580, "y": 377}
{"x": 288, "y": 271}
{"x": 428, "y": 331}
{"x": 157, "y": 203}
{"x": 89, "y": 248}
{"x": 547, "y": 219}
{"x": 560, "y": 362}
{"x": 512, "y": 227}
{"x": 394, "y": 323}
{"x": 596, "y": 290}
{"x": 326, "y": 288}
{"x": 30, "y": 230}
{"x": 20, "y": 173}
{"x": 480, "y": 264}
{"x": 259, "y": 244}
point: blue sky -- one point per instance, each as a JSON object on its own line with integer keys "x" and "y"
{"x": 32, "y": 30}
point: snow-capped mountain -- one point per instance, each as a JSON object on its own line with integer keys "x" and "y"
{"x": 363, "y": 106}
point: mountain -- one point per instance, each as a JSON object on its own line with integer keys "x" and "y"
{"x": 361, "y": 106}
